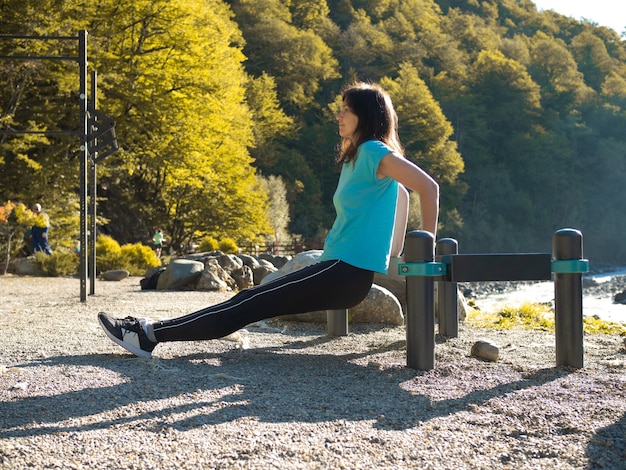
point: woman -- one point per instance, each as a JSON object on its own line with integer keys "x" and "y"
{"x": 359, "y": 243}
{"x": 158, "y": 239}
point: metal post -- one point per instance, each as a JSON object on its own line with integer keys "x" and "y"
{"x": 420, "y": 300}
{"x": 337, "y": 322}
{"x": 447, "y": 294}
{"x": 84, "y": 155}
{"x": 93, "y": 196}
{"x": 567, "y": 244}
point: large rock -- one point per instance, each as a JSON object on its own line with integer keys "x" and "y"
{"x": 485, "y": 350}
{"x": 179, "y": 274}
{"x": 620, "y": 298}
{"x": 276, "y": 260}
{"x": 26, "y": 267}
{"x": 229, "y": 262}
{"x": 393, "y": 282}
{"x": 462, "y": 306}
{"x": 266, "y": 263}
{"x": 261, "y": 272}
{"x": 396, "y": 284}
{"x": 114, "y": 275}
{"x": 249, "y": 261}
{"x": 301, "y": 260}
{"x": 215, "y": 278}
{"x": 243, "y": 276}
{"x": 380, "y": 305}
{"x": 220, "y": 272}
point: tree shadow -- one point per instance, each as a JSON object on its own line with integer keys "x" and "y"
{"x": 273, "y": 384}
{"x": 608, "y": 446}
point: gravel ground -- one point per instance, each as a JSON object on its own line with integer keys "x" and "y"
{"x": 283, "y": 395}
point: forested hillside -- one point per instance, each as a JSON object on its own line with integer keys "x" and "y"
{"x": 519, "y": 114}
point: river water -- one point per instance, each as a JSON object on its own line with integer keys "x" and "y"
{"x": 600, "y": 305}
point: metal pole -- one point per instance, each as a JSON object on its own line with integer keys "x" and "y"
{"x": 420, "y": 300}
{"x": 93, "y": 196}
{"x": 84, "y": 130}
{"x": 567, "y": 244}
{"x": 337, "y": 322}
{"x": 447, "y": 294}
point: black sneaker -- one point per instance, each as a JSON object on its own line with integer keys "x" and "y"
{"x": 128, "y": 333}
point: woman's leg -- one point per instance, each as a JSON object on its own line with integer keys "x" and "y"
{"x": 329, "y": 285}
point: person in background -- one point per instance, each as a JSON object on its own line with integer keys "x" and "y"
{"x": 39, "y": 231}
{"x": 359, "y": 243}
{"x": 158, "y": 240}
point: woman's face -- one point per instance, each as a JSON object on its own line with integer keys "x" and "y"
{"x": 347, "y": 121}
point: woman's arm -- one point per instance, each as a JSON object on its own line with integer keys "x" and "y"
{"x": 413, "y": 177}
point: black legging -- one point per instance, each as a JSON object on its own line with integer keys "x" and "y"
{"x": 329, "y": 285}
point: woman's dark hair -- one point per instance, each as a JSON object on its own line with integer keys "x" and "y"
{"x": 377, "y": 119}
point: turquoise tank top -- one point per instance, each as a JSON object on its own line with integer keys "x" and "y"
{"x": 366, "y": 209}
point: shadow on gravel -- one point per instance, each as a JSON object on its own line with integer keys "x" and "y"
{"x": 273, "y": 385}
{"x": 608, "y": 446}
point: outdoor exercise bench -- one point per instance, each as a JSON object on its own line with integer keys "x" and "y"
{"x": 422, "y": 267}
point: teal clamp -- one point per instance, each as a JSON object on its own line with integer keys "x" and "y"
{"x": 423, "y": 269}
{"x": 570, "y": 266}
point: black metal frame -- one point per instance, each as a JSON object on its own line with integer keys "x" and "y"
{"x": 96, "y": 134}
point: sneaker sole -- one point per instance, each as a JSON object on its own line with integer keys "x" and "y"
{"x": 136, "y": 351}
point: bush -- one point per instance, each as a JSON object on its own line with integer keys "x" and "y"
{"x": 228, "y": 246}
{"x": 536, "y": 316}
{"x": 14, "y": 230}
{"x": 108, "y": 254}
{"x": 59, "y": 263}
{"x": 135, "y": 258}
{"x": 138, "y": 258}
{"x": 208, "y": 244}
{"x": 529, "y": 315}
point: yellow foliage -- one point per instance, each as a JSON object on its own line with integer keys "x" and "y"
{"x": 22, "y": 214}
{"x": 41, "y": 220}
{"x": 138, "y": 258}
{"x": 106, "y": 244}
{"x": 228, "y": 246}
{"x": 528, "y": 315}
{"x": 595, "y": 325}
{"x": 108, "y": 254}
{"x": 5, "y": 211}
{"x": 535, "y": 316}
{"x": 208, "y": 244}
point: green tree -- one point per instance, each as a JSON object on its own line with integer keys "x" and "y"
{"x": 504, "y": 85}
{"x": 36, "y": 96}
{"x": 184, "y": 131}
{"x": 592, "y": 58}
{"x": 494, "y": 144}
{"x": 271, "y": 124}
{"x": 13, "y": 224}
{"x": 356, "y": 46}
{"x": 314, "y": 15}
{"x": 278, "y": 207}
{"x": 555, "y": 70}
{"x": 205, "y": 92}
{"x": 473, "y": 33}
{"x": 426, "y": 135}
{"x": 299, "y": 60}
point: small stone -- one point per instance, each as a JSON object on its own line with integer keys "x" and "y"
{"x": 114, "y": 275}
{"x": 20, "y": 386}
{"x": 485, "y": 350}
{"x": 620, "y": 298}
